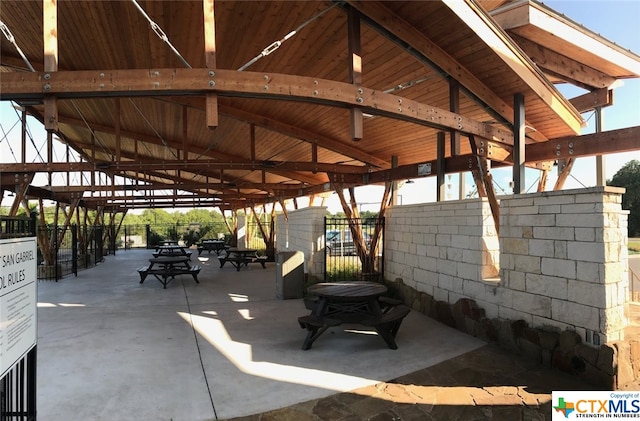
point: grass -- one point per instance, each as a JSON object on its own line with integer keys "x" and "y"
{"x": 634, "y": 246}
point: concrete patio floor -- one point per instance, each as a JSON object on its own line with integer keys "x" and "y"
{"x": 110, "y": 348}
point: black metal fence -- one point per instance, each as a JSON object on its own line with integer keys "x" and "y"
{"x": 18, "y": 385}
{"x": 151, "y": 235}
{"x": 342, "y": 262}
{"x": 72, "y": 249}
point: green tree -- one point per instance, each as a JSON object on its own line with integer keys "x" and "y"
{"x": 629, "y": 177}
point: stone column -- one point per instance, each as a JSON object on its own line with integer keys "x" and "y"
{"x": 304, "y": 231}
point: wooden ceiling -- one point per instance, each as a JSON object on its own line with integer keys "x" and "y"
{"x": 284, "y": 125}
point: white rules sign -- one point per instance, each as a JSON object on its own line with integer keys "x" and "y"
{"x": 18, "y": 300}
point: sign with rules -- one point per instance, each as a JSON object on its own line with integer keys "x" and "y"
{"x": 18, "y": 300}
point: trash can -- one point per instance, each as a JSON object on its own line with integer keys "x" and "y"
{"x": 289, "y": 275}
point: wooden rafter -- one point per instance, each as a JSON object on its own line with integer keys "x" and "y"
{"x": 85, "y": 84}
{"x": 431, "y": 52}
{"x": 492, "y": 34}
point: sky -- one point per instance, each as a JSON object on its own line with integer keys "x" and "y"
{"x": 617, "y": 21}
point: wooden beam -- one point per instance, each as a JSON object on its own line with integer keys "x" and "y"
{"x": 564, "y": 169}
{"x": 185, "y": 135}
{"x": 576, "y": 39}
{"x": 118, "y": 138}
{"x": 492, "y": 34}
{"x": 50, "y": 41}
{"x": 178, "y": 164}
{"x": 612, "y": 141}
{"x": 355, "y": 68}
{"x": 434, "y": 56}
{"x": 252, "y": 142}
{"x": 211, "y": 108}
{"x": 321, "y": 140}
{"x": 159, "y": 82}
{"x": 563, "y": 66}
{"x": 589, "y": 101}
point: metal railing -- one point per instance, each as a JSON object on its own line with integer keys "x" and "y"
{"x": 72, "y": 249}
{"x": 342, "y": 262}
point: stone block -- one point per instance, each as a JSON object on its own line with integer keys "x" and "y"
{"x": 588, "y": 353}
{"x": 532, "y": 303}
{"x": 560, "y": 249}
{"x": 586, "y": 251}
{"x": 530, "y": 350}
{"x": 529, "y": 264}
{"x": 580, "y": 220}
{"x": 549, "y": 286}
{"x": 574, "y": 314}
{"x": 554, "y": 233}
{"x": 468, "y": 271}
{"x": 516, "y": 281}
{"x": 542, "y": 248}
{"x": 586, "y": 293}
{"x": 473, "y": 289}
{"x": 589, "y": 272}
{"x": 546, "y": 220}
{"x": 557, "y": 267}
{"x": 625, "y": 375}
{"x": 635, "y": 357}
{"x": 585, "y": 234}
{"x": 516, "y": 245}
{"x": 612, "y": 320}
{"x": 607, "y": 359}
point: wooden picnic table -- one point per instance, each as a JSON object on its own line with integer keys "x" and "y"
{"x": 217, "y": 246}
{"x": 166, "y": 268}
{"x": 239, "y": 257}
{"x": 352, "y": 302}
{"x": 172, "y": 250}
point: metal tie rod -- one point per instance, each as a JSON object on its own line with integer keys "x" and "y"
{"x": 276, "y": 44}
{"x": 160, "y": 33}
{"x": 7, "y": 33}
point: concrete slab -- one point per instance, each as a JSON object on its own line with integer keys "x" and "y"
{"x": 110, "y": 348}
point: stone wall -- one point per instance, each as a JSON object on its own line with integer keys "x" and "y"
{"x": 561, "y": 258}
{"x": 304, "y": 231}
{"x": 449, "y": 250}
{"x": 610, "y": 366}
{"x": 554, "y": 287}
{"x": 563, "y": 261}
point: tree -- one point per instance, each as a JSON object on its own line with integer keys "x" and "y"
{"x": 629, "y": 177}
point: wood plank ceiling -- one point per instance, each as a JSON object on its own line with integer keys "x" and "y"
{"x": 268, "y": 147}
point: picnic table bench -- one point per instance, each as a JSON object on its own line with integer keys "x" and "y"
{"x": 217, "y": 246}
{"x": 240, "y": 257}
{"x": 165, "y": 269}
{"x": 360, "y": 302}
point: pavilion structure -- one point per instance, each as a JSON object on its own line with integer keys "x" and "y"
{"x": 234, "y": 104}
{"x": 240, "y": 104}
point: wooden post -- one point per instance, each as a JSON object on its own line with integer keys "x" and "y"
{"x": 355, "y": 68}
{"x": 210, "y": 61}
{"x": 50, "y": 41}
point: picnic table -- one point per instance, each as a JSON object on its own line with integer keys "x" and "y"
{"x": 353, "y": 302}
{"x": 166, "y": 268}
{"x": 217, "y": 246}
{"x": 239, "y": 257}
{"x": 172, "y": 250}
